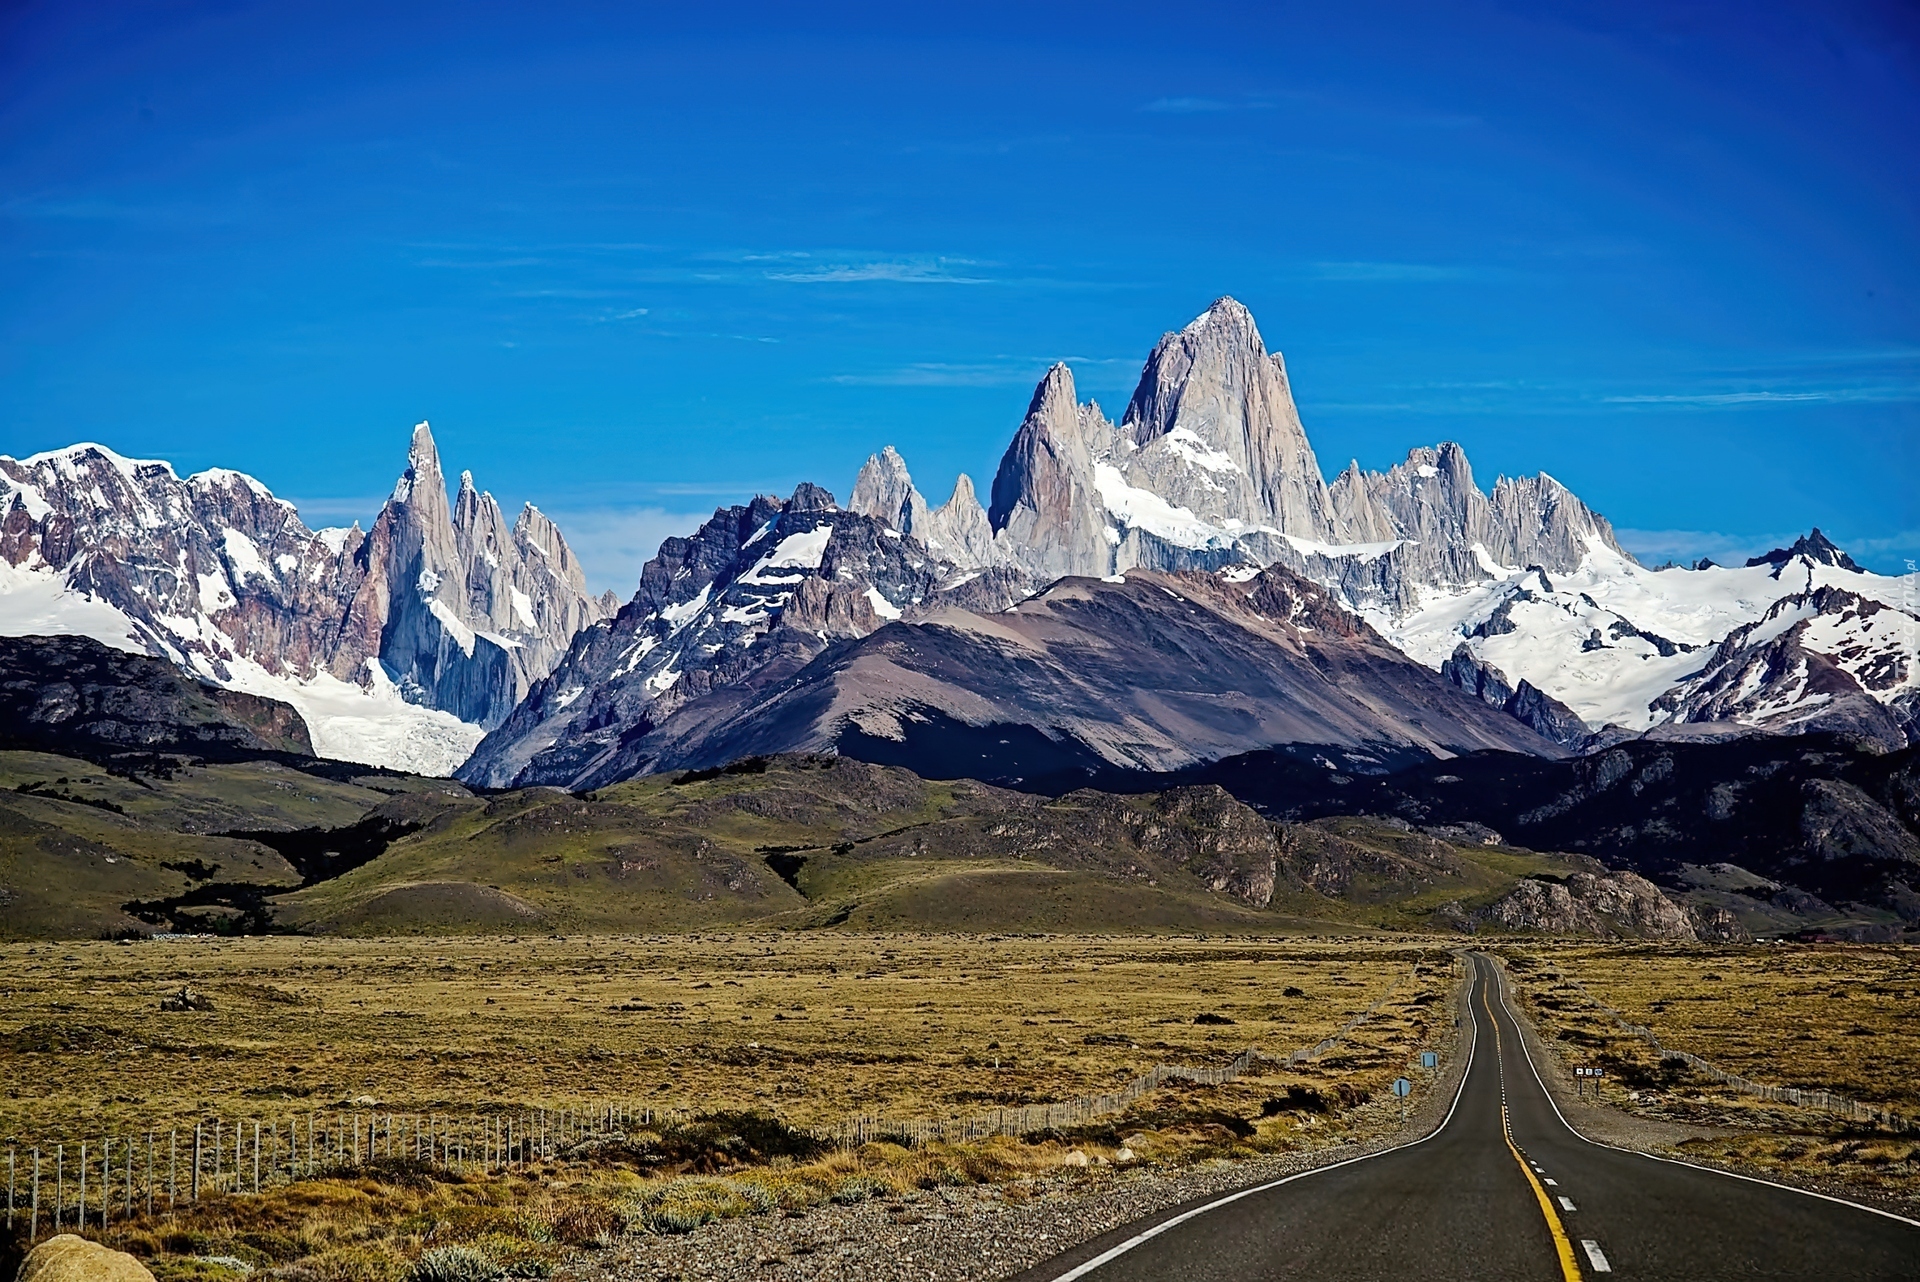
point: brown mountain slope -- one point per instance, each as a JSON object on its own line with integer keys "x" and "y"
{"x": 1155, "y": 671}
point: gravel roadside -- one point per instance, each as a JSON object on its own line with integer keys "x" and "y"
{"x": 980, "y": 1234}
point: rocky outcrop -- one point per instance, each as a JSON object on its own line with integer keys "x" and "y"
{"x": 1533, "y": 708}
{"x": 1210, "y": 468}
{"x": 958, "y": 530}
{"x": 1212, "y": 428}
{"x": 463, "y": 613}
{"x": 1815, "y": 546}
{"x": 77, "y": 697}
{"x": 1615, "y": 905}
{"x": 202, "y": 570}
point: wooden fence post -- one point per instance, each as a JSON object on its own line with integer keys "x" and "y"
{"x": 33, "y": 1216}
{"x": 80, "y": 1208}
{"x": 197, "y": 1131}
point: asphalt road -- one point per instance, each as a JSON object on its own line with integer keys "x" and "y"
{"x": 1504, "y": 1189}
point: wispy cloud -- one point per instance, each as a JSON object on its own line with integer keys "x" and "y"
{"x": 1185, "y": 106}
{"x": 934, "y": 374}
{"x": 1892, "y": 394}
{"x": 935, "y": 271}
{"x": 1013, "y": 371}
{"x": 482, "y": 264}
{"x": 319, "y": 513}
{"x": 1687, "y": 546}
{"x": 1374, "y": 271}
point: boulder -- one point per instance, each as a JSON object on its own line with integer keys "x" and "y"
{"x": 67, "y": 1258}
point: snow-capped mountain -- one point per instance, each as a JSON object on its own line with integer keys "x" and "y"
{"x": 398, "y": 648}
{"x": 1210, "y": 468}
{"x": 754, "y": 595}
{"x": 1784, "y": 645}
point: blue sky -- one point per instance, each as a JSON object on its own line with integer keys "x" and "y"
{"x": 633, "y": 262}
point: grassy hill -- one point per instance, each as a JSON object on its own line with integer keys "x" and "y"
{"x": 78, "y": 844}
{"x": 811, "y": 842}
{"x": 793, "y": 842}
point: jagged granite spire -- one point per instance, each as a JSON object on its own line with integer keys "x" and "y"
{"x": 1047, "y": 514}
{"x": 1217, "y": 432}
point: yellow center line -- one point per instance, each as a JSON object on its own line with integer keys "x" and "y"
{"x": 1569, "y": 1266}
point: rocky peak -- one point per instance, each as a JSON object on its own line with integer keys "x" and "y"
{"x": 884, "y": 491}
{"x": 959, "y": 529}
{"x": 808, "y": 497}
{"x": 1215, "y": 382}
{"x": 1816, "y": 547}
{"x": 1047, "y": 513}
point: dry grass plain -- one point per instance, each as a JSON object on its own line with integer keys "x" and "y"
{"x": 1844, "y": 1018}
{"x": 809, "y": 1028}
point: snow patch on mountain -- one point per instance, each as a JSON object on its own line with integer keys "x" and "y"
{"x": 38, "y": 602}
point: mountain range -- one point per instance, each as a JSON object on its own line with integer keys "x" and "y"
{"x": 399, "y": 646}
{"x": 1149, "y": 595}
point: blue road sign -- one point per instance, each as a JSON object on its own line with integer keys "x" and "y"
{"x": 1402, "y": 1087}
{"x": 1429, "y": 1059}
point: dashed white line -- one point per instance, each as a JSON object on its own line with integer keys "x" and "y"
{"x": 1595, "y": 1256}
{"x": 1566, "y": 1203}
{"x": 1554, "y": 1183}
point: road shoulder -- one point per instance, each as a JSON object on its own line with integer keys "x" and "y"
{"x": 1661, "y": 1138}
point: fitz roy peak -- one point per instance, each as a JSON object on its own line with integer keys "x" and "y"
{"x": 399, "y": 647}
{"x": 1210, "y": 468}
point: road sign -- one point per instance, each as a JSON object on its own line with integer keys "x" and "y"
{"x": 1402, "y": 1087}
{"x": 1429, "y": 1059}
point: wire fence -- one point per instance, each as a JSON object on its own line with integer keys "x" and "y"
{"x": 1825, "y": 1100}
{"x": 60, "y": 1187}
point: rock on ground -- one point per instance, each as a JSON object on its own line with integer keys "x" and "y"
{"x": 67, "y": 1258}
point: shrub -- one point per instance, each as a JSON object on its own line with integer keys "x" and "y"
{"x": 452, "y": 1264}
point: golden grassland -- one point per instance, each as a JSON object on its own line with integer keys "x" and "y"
{"x": 807, "y": 1028}
{"x": 1844, "y": 1018}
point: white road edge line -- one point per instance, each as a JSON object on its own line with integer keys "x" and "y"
{"x": 1500, "y": 989}
{"x": 1595, "y": 1256}
{"x": 1147, "y": 1235}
